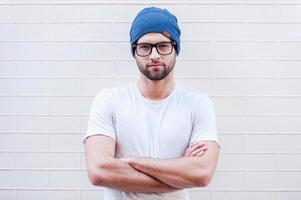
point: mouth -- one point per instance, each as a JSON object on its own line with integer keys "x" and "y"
{"x": 155, "y": 65}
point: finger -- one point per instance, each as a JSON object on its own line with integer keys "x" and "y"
{"x": 194, "y": 147}
{"x": 200, "y": 154}
{"x": 197, "y": 151}
{"x": 189, "y": 151}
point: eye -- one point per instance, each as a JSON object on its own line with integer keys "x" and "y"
{"x": 163, "y": 45}
{"x": 144, "y": 47}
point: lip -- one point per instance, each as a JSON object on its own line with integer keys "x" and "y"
{"x": 155, "y": 65}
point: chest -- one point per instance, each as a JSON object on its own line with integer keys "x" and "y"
{"x": 152, "y": 131}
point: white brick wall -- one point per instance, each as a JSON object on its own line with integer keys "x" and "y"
{"x": 56, "y": 55}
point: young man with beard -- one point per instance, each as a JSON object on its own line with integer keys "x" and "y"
{"x": 151, "y": 139}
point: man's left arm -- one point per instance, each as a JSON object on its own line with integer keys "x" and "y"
{"x": 183, "y": 172}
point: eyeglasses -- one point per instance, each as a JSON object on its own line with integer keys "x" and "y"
{"x": 145, "y": 49}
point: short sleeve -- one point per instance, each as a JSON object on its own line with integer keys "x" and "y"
{"x": 203, "y": 121}
{"x": 101, "y": 116}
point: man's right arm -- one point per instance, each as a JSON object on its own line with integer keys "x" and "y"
{"x": 106, "y": 171}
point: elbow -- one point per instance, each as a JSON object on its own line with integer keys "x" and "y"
{"x": 96, "y": 180}
{"x": 203, "y": 179}
{"x": 97, "y": 176}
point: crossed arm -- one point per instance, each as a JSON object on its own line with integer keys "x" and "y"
{"x": 149, "y": 175}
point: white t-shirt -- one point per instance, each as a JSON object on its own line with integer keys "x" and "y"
{"x": 147, "y": 128}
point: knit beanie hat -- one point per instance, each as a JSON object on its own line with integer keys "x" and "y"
{"x": 157, "y": 20}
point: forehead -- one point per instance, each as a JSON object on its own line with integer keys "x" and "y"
{"x": 153, "y": 38}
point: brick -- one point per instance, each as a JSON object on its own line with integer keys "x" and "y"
{"x": 7, "y": 194}
{"x": 92, "y": 86}
{"x": 289, "y": 68}
{"x": 121, "y": 31}
{"x": 263, "y": 123}
{"x": 126, "y": 69}
{"x": 5, "y": 13}
{"x": 198, "y": 85}
{"x": 189, "y": 69}
{"x": 91, "y": 13}
{"x": 246, "y": 195}
{"x": 69, "y": 179}
{"x": 47, "y": 160}
{"x": 8, "y": 123}
{"x": 22, "y": 13}
{"x": 97, "y": 50}
{"x": 247, "y": 161}
{"x": 196, "y": 12}
{"x": 122, "y": 51}
{"x": 6, "y": 178}
{"x": 47, "y": 194}
{"x": 81, "y": 68}
{"x": 196, "y": 50}
{"x": 233, "y": 143}
{"x": 228, "y": 180}
{"x": 29, "y": 142}
{"x": 274, "y": 143}
{"x": 284, "y": 195}
{"x": 7, "y": 86}
{"x": 6, "y": 142}
{"x": 266, "y": 180}
{"x": 290, "y": 123}
{"x": 7, "y": 105}
{"x": 246, "y": 86}
{"x": 32, "y": 123}
{"x": 83, "y": 161}
{"x": 289, "y": 13}
{"x": 24, "y": 68}
{"x": 47, "y": 86}
{"x": 7, "y": 160}
{"x": 290, "y": 50}
{"x": 30, "y": 179}
{"x": 84, "y": 122}
{"x": 289, "y": 161}
{"x": 80, "y": 31}
{"x": 23, "y": 50}
{"x": 66, "y": 142}
{"x": 245, "y": 50}
{"x": 273, "y": 105}
{"x": 92, "y": 194}
{"x": 226, "y": 68}
{"x": 230, "y": 86}
{"x": 197, "y": 194}
{"x": 229, "y": 105}
{"x": 24, "y": 32}
{"x": 240, "y": 31}
{"x": 69, "y": 105}
{"x": 232, "y": 124}
{"x": 48, "y": 123}
{"x": 30, "y": 105}
{"x": 62, "y": 51}
{"x": 288, "y": 86}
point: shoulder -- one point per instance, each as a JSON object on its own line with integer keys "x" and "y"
{"x": 192, "y": 97}
{"x": 116, "y": 93}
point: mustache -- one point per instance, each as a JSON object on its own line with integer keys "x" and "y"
{"x": 155, "y": 63}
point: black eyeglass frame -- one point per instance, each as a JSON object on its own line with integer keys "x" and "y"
{"x": 173, "y": 43}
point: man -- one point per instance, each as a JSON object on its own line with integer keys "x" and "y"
{"x": 151, "y": 139}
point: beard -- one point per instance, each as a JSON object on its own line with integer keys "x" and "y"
{"x": 155, "y": 73}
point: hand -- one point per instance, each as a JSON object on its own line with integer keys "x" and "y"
{"x": 196, "y": 149}
{"x": 126, "y": 159}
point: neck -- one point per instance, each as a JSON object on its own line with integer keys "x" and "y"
{"x": 156, "y": 90}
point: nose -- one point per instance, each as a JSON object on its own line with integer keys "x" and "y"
{"x": 154, "y": 55}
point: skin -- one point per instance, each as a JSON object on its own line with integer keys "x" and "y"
{"x": 149, "y": 175}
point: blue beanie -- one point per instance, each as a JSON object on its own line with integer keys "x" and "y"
{"x": 157, "y": 20}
